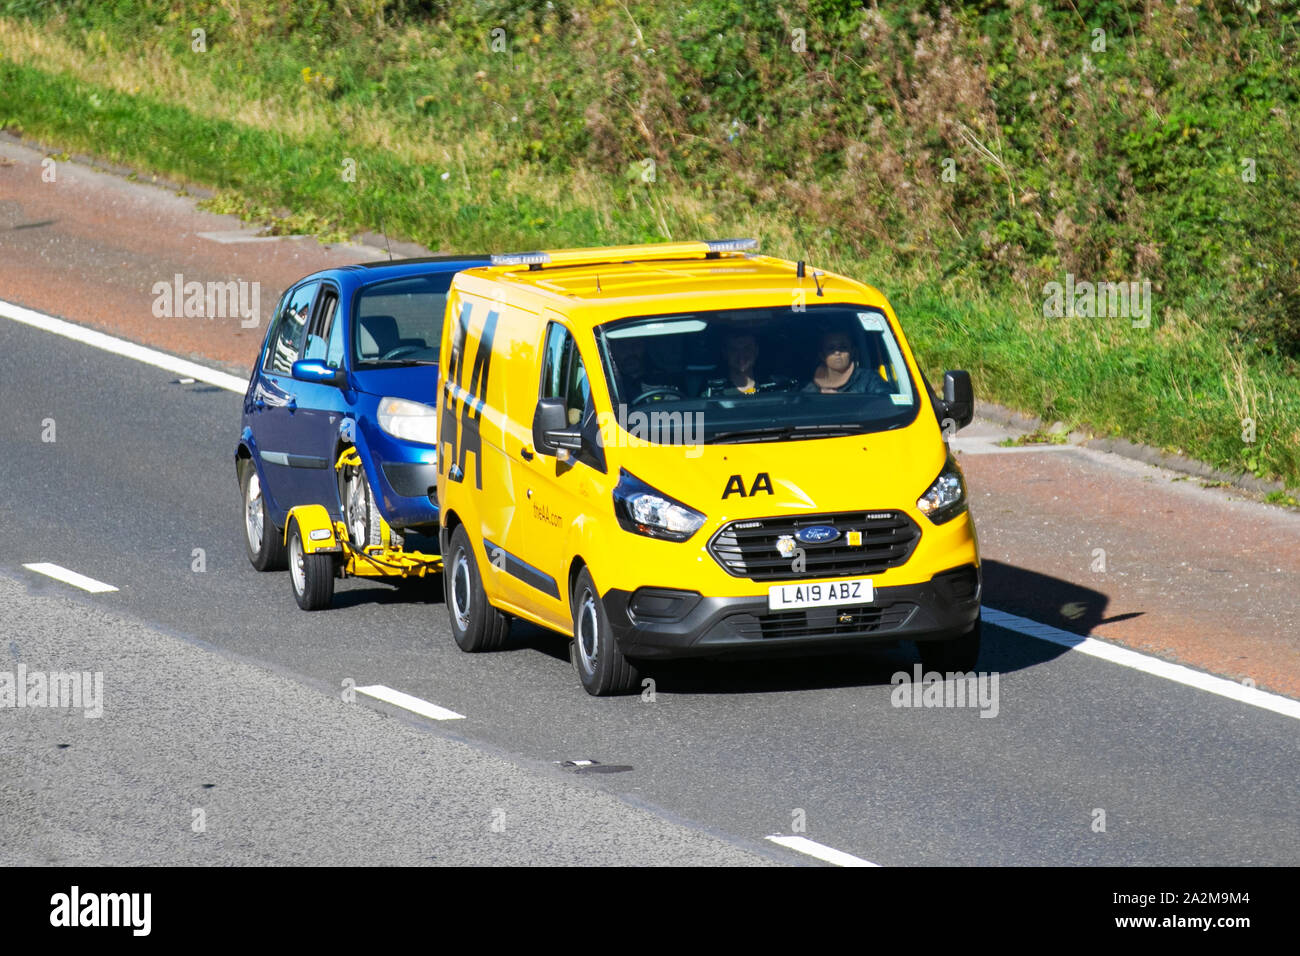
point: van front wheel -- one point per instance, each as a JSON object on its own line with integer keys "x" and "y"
{"x": 475, "y": 624}
{"x": 601, "y": 666}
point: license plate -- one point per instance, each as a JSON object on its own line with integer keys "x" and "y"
{"x": 789, "y": 597}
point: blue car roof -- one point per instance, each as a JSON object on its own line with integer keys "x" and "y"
{"x": 368, "y": 272}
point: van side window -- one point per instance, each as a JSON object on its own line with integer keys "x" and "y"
{"x": 286, "y": 338}
{"x": 563, "y": 374}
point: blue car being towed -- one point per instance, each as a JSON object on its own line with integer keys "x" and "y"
{"x": 350, "y": 358}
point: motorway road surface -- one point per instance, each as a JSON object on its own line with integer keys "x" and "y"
{"x": 221, "y": 696}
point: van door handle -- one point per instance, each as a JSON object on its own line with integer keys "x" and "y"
{"x": 526, "y": 453}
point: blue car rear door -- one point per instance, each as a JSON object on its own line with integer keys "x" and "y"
{"x": 314, "y": 441}
{"x": 277, "y": 423}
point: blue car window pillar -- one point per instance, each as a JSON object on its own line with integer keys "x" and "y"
{"x": 332, "y": 330}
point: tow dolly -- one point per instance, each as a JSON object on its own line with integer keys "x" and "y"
{"x": 320, "y": 550}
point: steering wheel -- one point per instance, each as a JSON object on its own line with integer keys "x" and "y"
{"x": 400, "y": 350}
{"x": 656, "y": 391}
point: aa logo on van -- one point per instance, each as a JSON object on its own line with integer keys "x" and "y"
{"x": 736, "y": 486}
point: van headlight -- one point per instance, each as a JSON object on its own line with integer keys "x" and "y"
{"x": 648, "y": 511}
{"x": 409, "y": 421}
{"x": 945, "y": 499}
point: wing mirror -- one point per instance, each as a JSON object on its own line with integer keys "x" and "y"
{"x": 314, "y": 370}
{"x": 958, "y": 398}
{"x": 552, "y": 432}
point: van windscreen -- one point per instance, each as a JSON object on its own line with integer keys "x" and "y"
{"x": 753, "y": 375}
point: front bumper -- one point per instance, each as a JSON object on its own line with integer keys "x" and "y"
{"x": 659, "y": 623}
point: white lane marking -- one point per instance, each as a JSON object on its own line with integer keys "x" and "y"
{"x": 124, "y": 348}
{"x": 822, "y": 852}
{"x": 226, "y": 238}
{"x": 70, "y": 577}
{"x": 1142, "y": 662}
{"x": 407, "y": 702}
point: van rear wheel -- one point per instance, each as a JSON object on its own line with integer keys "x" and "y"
{"x": 601, "y": 666}
{"x": 475, "y": 624}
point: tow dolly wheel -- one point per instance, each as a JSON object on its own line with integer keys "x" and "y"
{"x": 475, "y": 624}
{"x": 311, "y": 575}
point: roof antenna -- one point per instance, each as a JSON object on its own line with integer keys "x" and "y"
{"x": 386, "y": 245}
{"x": 598, "y": 285}
{"x": 801, "y": 266}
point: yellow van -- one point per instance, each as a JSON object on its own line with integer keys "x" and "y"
{"x": 689, "y": 449}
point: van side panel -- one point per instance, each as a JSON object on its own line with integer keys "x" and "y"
{"x": 471, "y": 417}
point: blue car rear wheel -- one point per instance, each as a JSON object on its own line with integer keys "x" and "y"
{"x": 262, "y": 541}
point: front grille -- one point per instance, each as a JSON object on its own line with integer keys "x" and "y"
{"x": 748, "y": 548}
{"x": 822, "y": 622}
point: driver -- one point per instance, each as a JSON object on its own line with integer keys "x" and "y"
{"x": 632, "y": 375}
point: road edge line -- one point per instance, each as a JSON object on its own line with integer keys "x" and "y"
{"x": 111, "y": 343}
{"x": 1136, "y": 660}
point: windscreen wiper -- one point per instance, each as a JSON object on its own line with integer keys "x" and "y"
{"x": 782, "y": 432}
{"x": 395, "y": 363}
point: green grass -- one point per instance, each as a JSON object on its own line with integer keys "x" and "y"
{"x": 1038, "y": 436}
{"x": 1125, "y": 168}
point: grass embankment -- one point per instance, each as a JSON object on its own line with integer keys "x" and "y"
{"x": 957, "y": 161}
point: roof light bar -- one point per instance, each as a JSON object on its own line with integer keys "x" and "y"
{"x": 520, "y": 258}
{"x": 731, "y": 245}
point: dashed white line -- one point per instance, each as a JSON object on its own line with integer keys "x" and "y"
{"x": 110, "y": 343}
{"x": 826, "y": 854}
{"x": 1142, "y": 662}
{"x": 414, "y": 704}
{"x": 70, "y": 577}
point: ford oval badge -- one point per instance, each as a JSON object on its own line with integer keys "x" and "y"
{"x": 817, "y": 534}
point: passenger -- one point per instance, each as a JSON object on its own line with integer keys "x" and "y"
{"x": 840, "y": 370}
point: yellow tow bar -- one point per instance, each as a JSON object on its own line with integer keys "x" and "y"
{"x": 320, "y": 535}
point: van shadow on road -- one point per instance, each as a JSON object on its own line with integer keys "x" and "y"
{"x": 1041, "y": 597}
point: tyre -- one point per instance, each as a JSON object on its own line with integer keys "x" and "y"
{"x": 475, "y": 624}
{"x": 601, "y": 666}
{"x": 311, "y": 575}
{"x": 262, "y": 542}
{"x": 360, "y": 512}
{"x": 961, "y": 654}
